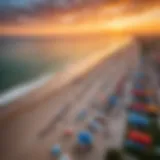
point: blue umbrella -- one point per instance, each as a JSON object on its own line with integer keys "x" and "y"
{"x": 56, "y": 150}
{"x": 137, "y": 119}
{"x": 85, "y": 138}
{"x": 113, "y": 100}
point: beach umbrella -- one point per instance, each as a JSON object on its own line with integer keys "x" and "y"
{"x": 139, "y": 107}
{"x": 112, "y": 100}
{"x": 139, "y": 92}
{"x": 140, "y": 137}
{"x": 84, "y": 138}
{"x": 56, "y": 150}
{"x": 68, "y": 132}
{"x": 152, "y": 109}
{"x": 136, "y": 119}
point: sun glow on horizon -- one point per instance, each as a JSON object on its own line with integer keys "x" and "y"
{"x": 110, "y": 20}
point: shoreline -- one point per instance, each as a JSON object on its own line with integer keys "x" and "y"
{"x": 20, "y": 90}
{"x": 63, "y": 78}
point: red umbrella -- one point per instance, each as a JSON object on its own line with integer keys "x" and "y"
{"x": 139, "y": 107}
{"x": 139, "y": 92}
{"x": 140, "y": 137}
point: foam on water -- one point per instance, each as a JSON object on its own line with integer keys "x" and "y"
{"x": 20, "y": 90}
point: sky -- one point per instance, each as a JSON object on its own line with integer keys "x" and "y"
{"x": 13, "y": 9}
{"x": 45, "y": 17}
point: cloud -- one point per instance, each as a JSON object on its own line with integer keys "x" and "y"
{"x": 13, "y": 11}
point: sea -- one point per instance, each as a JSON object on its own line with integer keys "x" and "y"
{"x": 25, "y": 59}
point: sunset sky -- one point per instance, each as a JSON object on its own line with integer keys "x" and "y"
{"x": 54, "y": 17}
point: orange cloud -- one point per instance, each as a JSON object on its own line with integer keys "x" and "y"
{"x": 113, "y": 19}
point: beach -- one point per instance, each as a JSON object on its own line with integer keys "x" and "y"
{"x": 33, "y": 123}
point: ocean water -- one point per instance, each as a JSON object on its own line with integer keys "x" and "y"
{"x": 24, "y": 59}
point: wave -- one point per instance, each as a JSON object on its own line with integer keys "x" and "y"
{"x": 20, "y": 90}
